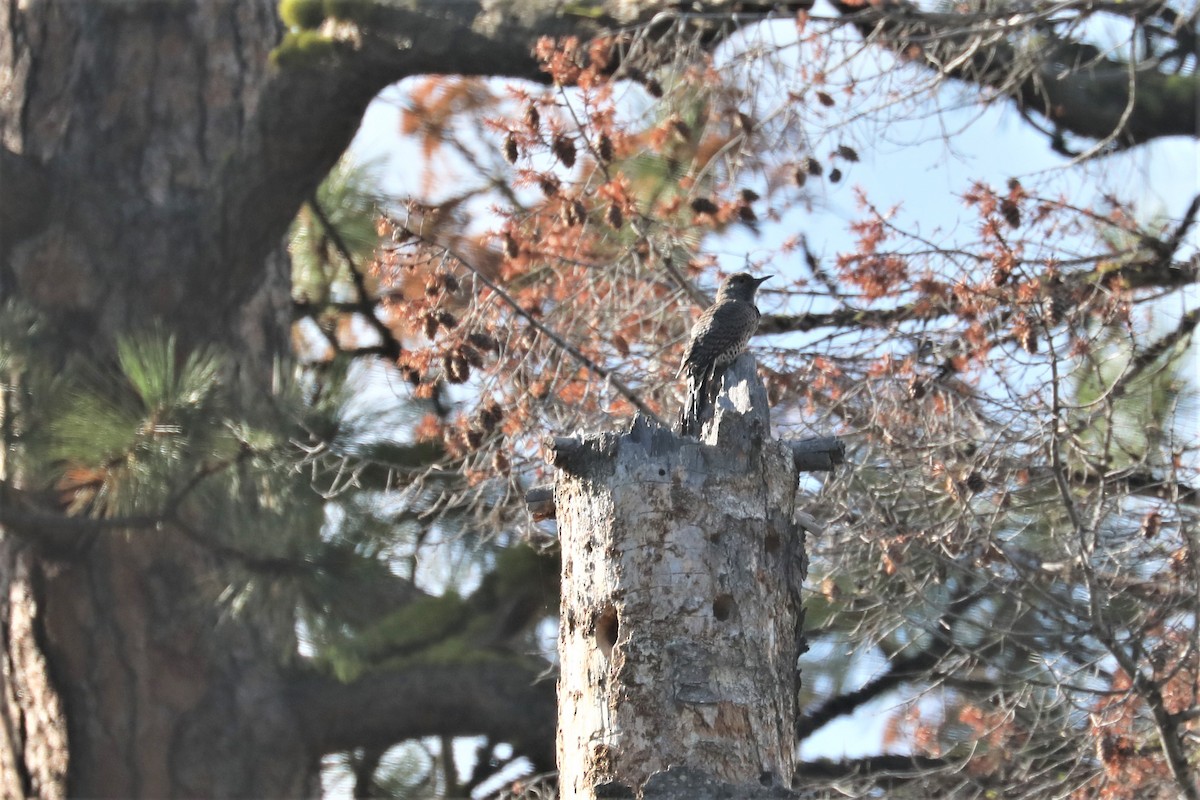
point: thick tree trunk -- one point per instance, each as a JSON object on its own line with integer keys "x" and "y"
{"x": 162, "y": 697}
{"x": 122, "y": 674}
{"x": 681, "y": 618}
{"x": 173, "y": 158}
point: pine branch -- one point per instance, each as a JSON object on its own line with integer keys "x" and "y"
{"x": 1061, "y": 84}
{"x": 499, "y": 697}
{"x": 1148, "y": 357}
{"x": 55, "y": 534}
{"x": 1147, "y": 688}
{"x": 26, "y": 515}
{"x": 902, "y": 670}
{"x": 390, "y": 346}
{"x": 1185, "y": 224}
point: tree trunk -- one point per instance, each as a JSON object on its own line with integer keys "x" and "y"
{"x": 681, "y": 618}
{"x": 135, "y": 126}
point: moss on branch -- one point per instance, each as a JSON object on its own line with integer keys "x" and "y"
{"x": 304, "y": 50}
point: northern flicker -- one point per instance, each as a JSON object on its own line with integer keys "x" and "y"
{"x": 718, "y": 337}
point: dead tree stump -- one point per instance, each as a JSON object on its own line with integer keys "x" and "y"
{"x": 681, "y": 621}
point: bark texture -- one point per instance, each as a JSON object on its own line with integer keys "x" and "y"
{"x": 681, "y": 617}
{"x": 173, "y": 158}
{"x": 135, "y": 126}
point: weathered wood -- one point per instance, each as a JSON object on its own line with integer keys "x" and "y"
{"x": 681, "y": 617}
{"x": 573, "y": 453}
{"x": 820, "y": 454}
{"x": 540, "y": 502}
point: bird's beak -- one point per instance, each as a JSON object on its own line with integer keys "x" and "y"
{"x": 758, "y": 281}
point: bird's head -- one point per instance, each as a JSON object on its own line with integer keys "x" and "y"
{"x": 739, "y": 286}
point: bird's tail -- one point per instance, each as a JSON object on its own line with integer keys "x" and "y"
{"x": 689, "y": 415}
{"x": 698, "y": 386}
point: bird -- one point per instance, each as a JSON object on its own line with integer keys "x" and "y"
{"x": 717, "y": 338}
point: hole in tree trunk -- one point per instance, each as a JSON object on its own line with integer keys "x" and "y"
{"x": 723, "y": 607}
{"x": 607, "y": 628}
{"x": 771, "y": 543}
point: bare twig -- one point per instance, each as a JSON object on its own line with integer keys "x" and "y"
{"x": 390, "y": 345}
{"x": 557, "y": 339}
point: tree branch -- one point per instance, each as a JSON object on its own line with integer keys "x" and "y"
{"x": 895, "y": 766}
{"x": 1148, "y": 357}
{"x": 389, "y": 345}
{"x": 497, "y": 38}
{"x": 557, "y": 339}
{"x": 311, "y": 106}
{"x": 1155, "y": 270}
{"x": 1166, "y": 724}
{"x": 902, "y": 669}
{"x": 1068, "y": 82}
{"x": 848, "y": 317}
{"x": 57, "y": 535}
{"x": 505, "y": 699}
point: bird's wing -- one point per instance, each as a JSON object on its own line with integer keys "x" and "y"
{"x": 715, "y": 329}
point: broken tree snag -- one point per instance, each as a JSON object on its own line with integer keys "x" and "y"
{"x": 820, "y": 454}
{"x": 681, "y": 619}
{"x": 540, "y": 502}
